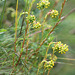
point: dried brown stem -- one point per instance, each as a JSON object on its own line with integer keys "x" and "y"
{"x": 18, "y": 59}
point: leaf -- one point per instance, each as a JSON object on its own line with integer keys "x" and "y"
{"x": 2, "y": 31}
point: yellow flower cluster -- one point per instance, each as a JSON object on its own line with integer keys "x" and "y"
{"x": 54, "y": 13}
{"x": 43, "y": 4}
{"x": 60, "y": 48}
{"x": 49, "y": 64}
{"x": 31, "y": 18}
{"x": 36, "y": 24}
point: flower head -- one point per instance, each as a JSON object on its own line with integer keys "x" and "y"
{"x": 31, "y": 18}
{"x": 43, "y": 4}
{"x": 60, "y": 47}
{"x": 36, "y": 24}
{"x": 49, "y": 64}
{"x": 54, "y": 13}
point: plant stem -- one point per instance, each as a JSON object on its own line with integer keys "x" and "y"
{"x": 15, "y": 33}
{"x": 27, "y": 43}
{"x": 16, "y": 27}
{"x": 43, "y": 24}
{"x": 21, "y": 25}
{"x": 44, "y": 72}
{"x": 2, "y": 14}
{"x": 62, "y": 8}
{"x": 48, "y": 71}
{"x": 23, "y": 18}
{"x": 25, "y": 34}
{"x": 48, "y": 49}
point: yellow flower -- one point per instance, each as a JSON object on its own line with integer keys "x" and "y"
{"x": 43, "y": 4}
{"x": 36, "y": 24}
{"x": 54, "y": 13}
{"x": 49, "y": 64}
{"x": 30, "y": 18}
{"x": 61, "y": 48}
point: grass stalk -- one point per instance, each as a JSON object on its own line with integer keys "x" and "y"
{"x": 16, "y": 26}
{"x": 15, "y": 32}
{"x": 2, "y": 14}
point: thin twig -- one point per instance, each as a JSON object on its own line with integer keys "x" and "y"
{"x": 62, "y": 9}
{"x": 23, "y": 19}
{"x": 27, "y": 43}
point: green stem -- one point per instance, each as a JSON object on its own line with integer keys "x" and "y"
{"x": 2, "y": 14}
{"x": 25, "y": 34}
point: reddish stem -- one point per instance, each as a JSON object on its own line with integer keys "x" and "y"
{"x": 62, "y": 8}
